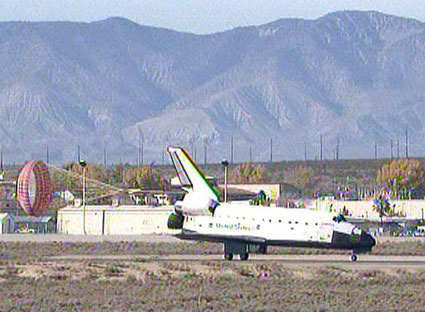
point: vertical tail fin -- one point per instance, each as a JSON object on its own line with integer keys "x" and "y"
{"x": 190, "y": 175}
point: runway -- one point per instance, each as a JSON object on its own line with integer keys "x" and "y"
{"x": 364, "y": 261}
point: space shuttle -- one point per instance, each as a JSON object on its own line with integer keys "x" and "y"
{"x": 245, "y": 228}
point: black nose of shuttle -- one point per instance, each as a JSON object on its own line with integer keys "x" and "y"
{"x": 367, "y": 241}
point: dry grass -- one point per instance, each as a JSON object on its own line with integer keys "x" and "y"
{"x": 206, "y": 286}
{"x": 31, "y": 283}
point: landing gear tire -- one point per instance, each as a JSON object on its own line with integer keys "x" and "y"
{"x": 244, "y": 256}
{"x": 353, "y": 257}
{"x": 228, "y": 256}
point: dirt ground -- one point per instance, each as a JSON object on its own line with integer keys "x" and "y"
{"x": 206, "y": 285}
{"x": 168, "y": 276}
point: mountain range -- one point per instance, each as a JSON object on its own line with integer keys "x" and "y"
{"x": 350, "y": 79}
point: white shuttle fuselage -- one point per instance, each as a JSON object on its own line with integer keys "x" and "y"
{"x": 201, "y": 217}
{"x": 272, "y": 224}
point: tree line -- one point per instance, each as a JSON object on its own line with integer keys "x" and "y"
{"x": 398, "y": 178}
{"x": 393, "y": 179}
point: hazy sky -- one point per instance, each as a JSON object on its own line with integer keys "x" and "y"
{"x": 198, "y": 16}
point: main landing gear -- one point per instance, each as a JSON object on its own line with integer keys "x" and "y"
{"x": 236, "y": 248}
{"x": 243, "y": 256}
{"x": 228, "y": 256}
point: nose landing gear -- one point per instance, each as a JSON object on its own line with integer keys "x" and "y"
{"x": 353, "y": 256}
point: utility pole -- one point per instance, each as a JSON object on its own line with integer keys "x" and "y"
{"x": 104, "y": 156}
{"x": 376, "y": 150}
{"x": 392, "y": 155}
{"x": 47, "y": 154}
{"x": 225, "y": 165}
{"x": 205, "y": 154}
{"x": 305, "y": 150}
{"x": 83, "y": 165}
{"x": 250, "y": 154}
{"x": 1, "y": 161}
{"x": 78, "y": 153}
{"x": 138, "y": 153}
{"x": 142, "y": 155}
{"x": 271, "y": 149}
{"x": 398, "y": 148}
{"x": 321, "y": 147}
{"x": 337, "y": 148}
{"x": 231, "y": 150}
{"x": 407, "y": 144}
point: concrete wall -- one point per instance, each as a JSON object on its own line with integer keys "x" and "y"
{"x": 128, "y": 220}
{"x": 151, "y": 220}
{"x": 109, "y": 220}
{"x": 411, "y": 209}
{"x": 71, "y": 220}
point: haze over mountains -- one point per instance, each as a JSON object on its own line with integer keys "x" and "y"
{"x": 358, "y": 76}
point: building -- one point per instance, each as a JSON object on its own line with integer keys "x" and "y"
{"x": 114, "y": 220}
{"x": 8, "y": 202}
{"x": 6, "y": 223}
{"x": 31, "y": 224}
{"x": 273, "y": 191}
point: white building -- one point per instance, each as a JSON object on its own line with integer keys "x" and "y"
{"x": 6, "y": 223}
{"x": 114, "y": 220}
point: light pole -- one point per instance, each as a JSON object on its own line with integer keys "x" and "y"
{"x": 225, "y": 165}
{"x": 83, "y": 165}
